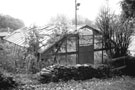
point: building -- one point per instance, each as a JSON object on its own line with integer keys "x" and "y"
{"x": 77, "y": 45}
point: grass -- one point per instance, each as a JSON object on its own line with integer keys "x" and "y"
{"x": 117, "y": 83}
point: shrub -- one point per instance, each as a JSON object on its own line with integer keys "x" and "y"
{"x": 103, "y": 71}
{"x": 7, "y": 82}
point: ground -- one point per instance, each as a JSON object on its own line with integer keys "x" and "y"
{"x": 117, "y": 83}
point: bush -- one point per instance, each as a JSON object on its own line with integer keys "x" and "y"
{"x": 58, "y": 73}
{"x": 6, "y": 83}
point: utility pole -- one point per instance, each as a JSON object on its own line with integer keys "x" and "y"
{"x": 76, "y": 8}
{"x": 77, "y": 40}
{"x": 75, "y": 15}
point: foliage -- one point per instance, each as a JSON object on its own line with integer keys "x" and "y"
{"x": 12, "y": 58}
{"x": 7, "y": 82}
{"x": 116, "y": 33}
{"x": 10, "y": 22}
{"x": 128, "y": 8}
{"x": 61, "y": 26}
{"x": 33, "y": 40}
{"x": 16, "y": 59}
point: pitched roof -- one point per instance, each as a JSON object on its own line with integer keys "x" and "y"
{"x": 18, "y": 37}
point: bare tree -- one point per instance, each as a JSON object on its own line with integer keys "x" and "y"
{"x": 116, "y": 34}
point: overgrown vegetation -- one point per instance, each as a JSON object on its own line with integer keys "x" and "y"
{"x": 7, "y": 82}
{"x": 12, "y": 58}
{"x": 128, "y": 8}
{"x": 116, "y": 33}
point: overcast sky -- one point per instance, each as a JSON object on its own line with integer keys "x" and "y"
{"x": 39, "y": 12}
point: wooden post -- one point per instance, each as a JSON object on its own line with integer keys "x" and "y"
{"x": 102, "y": 50}
{"x": 66, "y": 51}
{"x": 93, "y": 43}
{"x": 75, "y": 14}
{"x": 77, "y": 48}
